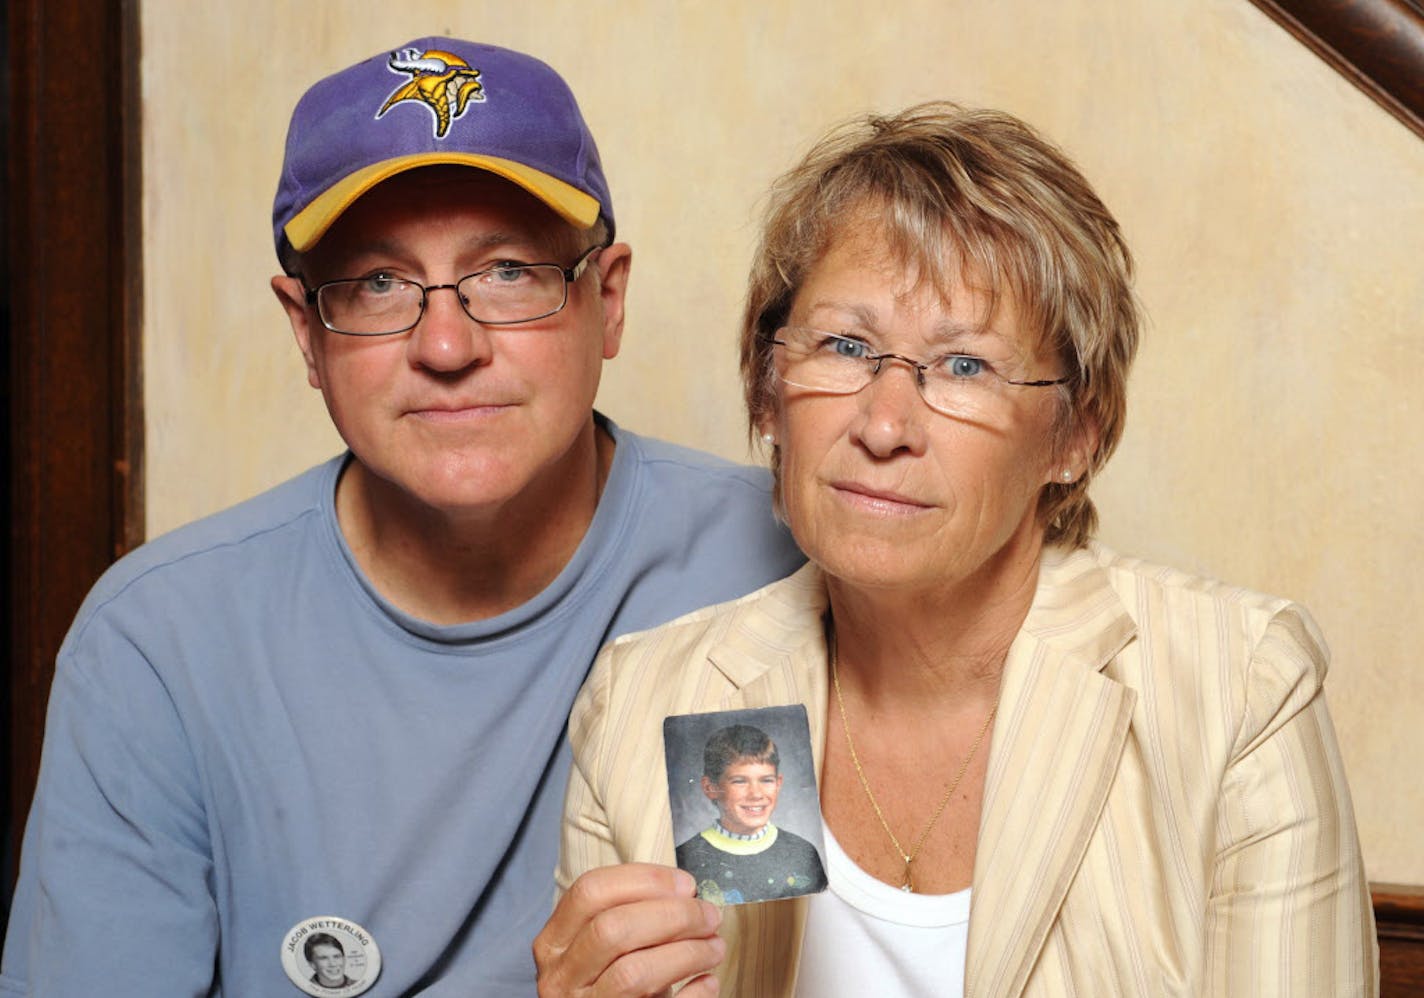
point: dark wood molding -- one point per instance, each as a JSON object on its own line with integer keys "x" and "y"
{"x": 72, "y": 300}
{"x": 1399, "y": 920}
{"x": 1377, "y": 44}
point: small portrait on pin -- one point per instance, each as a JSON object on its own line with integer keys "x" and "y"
{"x": 745, "y": 810}
{"x": 330, "y": 957}
{"x": 327, "y": 958}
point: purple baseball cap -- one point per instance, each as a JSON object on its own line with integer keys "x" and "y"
{"x": 436, "y": 100}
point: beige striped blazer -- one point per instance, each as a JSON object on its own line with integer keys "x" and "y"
{"x": 1165, "y": 810}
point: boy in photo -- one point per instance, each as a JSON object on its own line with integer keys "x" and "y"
{"x": 328, "y": 961}
{"x": 742, "y": 856}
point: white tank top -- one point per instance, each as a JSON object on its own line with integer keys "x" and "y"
{"x": 864, "y": 937}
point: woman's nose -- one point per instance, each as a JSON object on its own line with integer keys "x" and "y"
{"x": 892, "y": 413}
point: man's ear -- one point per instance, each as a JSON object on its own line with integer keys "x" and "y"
{"x": 293, "y": 297}
{"x": 710, "y": 789}
{"x": 614, "y": 264}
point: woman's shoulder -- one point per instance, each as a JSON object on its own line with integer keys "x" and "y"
{"x": 1194, "y": 631}
{"x": 1147, "y": 589}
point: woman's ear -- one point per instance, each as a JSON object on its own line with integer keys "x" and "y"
{"x": 1074, "y": 457}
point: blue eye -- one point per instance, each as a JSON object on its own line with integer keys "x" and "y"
{"x": 379, "y": 284}
{"x": 851, "y": 349}
{"x": 508, "y": 273}
{"x": 964, "y": 366}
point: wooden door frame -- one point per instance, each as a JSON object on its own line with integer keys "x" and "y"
{"x": 1379, "y": 46}
{"x": 72, "y": 257}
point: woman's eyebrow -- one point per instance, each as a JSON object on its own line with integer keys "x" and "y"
{"x": 958, "y": 332}
{"x": 860, "y": 314}
{"x": 948, "y": 333}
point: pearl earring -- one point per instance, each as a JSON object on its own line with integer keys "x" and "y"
{"x": 769, "y": 439}
{"x": 1067, "y": 475}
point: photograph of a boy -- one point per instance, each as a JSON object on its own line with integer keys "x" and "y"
{"x": 327, "y": 958}
{"x": 742, "y": 856}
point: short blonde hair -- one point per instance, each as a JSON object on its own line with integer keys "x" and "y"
{"x": 963, "y": 191}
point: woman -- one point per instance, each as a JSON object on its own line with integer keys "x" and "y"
{"x": 1127, "y": 775}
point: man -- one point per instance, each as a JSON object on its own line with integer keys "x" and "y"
{"x": 340, "y": 706}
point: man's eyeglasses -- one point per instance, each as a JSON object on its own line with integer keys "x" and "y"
{"x": 955, "y": 384}
{"x": 502, "y": 295}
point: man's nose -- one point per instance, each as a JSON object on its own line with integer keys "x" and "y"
{"x": 446, "y": 338}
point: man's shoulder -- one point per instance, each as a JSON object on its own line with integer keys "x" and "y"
{"x": 783, "y": 609}
{"x": 718, "y": 514}
{"x": 680, "y": 529}
{"x": 674, "y": 464}
{"x": 179, "y": 554}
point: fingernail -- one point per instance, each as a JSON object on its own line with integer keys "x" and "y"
{"x": 712, "y": 914}
{"x": 685, "y": 883}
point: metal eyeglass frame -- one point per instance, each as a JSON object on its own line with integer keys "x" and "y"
{"x": 875, "y": 362}
{"x": 569, "y": 274}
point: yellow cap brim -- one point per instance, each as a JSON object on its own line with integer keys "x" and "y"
{"x": 308, "y": 226}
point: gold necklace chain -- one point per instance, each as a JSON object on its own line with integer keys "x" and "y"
{"x": 908, "y": 857}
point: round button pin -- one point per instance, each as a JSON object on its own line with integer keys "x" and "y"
{"x": 330, "y": 957}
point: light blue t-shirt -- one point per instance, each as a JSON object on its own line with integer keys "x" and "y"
{"x": 243, "y": 734}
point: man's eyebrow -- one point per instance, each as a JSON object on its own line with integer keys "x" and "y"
{"x": 494, "y": 240}
{"x": 396, "y": 250}
{"x": 380, "y": 246}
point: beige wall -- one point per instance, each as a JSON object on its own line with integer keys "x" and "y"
{"x": 1275, "y": 425}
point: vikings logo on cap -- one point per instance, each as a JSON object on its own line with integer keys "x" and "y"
{"x": 442, "y": 81}
{"x": 354, "y": 130}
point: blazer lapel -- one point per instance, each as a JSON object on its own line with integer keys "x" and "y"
{"x": 1061, "y": 731}
{"x": 774, "y": 653}
{"x": 772, "y": 657}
